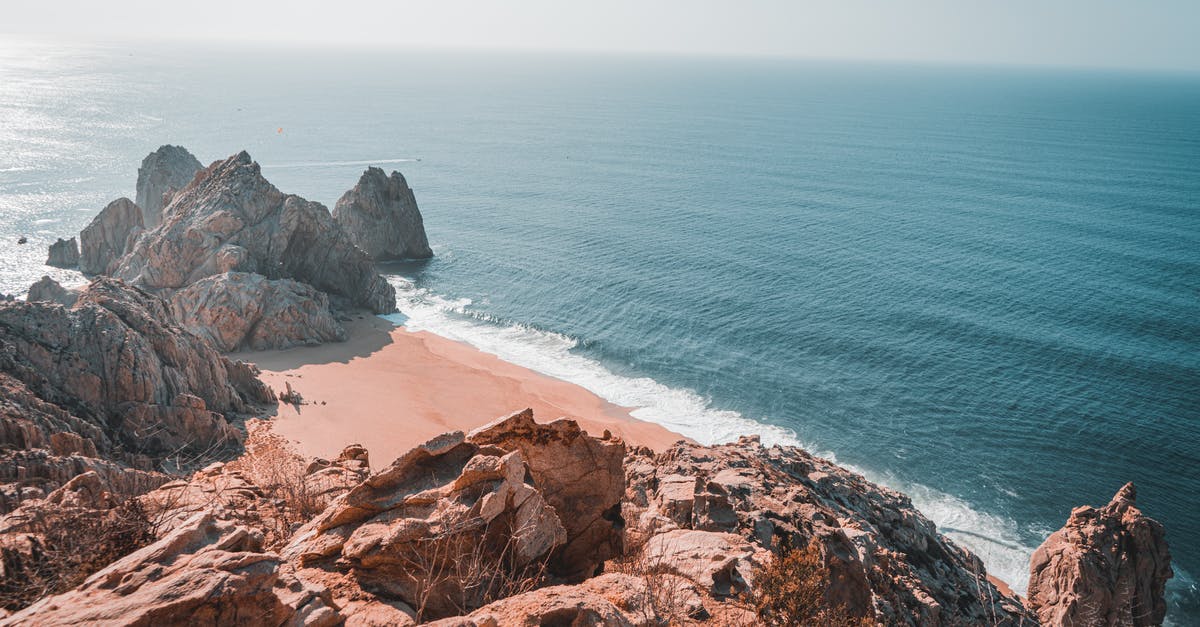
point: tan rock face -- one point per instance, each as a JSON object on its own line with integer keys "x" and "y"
{"x": 1106, "y": 566}
{"x": 205, "y": 572}
{"x": 114, "y": 371}
{"x": 714, "y": 509}
{"x": 108, "y": 236}
{"x": 230, "y": 218}
{"x": 438, "y": 530}
{"x": 163, "y": 173}
{"x": 64, "y": 253}
{"x": 237, "y": 310}
{"x": 582, "y": 478}
{"x": 380, "y": 214}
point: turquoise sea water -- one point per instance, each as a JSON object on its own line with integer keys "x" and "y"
{"x": 980, "y": 286}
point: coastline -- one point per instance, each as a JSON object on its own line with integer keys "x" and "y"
{"x": 426, "y": 385}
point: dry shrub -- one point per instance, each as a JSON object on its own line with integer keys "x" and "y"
{"x": 272, "y": 463}
{"x": 66, "y": 546}
{"x": 790, "y": 590}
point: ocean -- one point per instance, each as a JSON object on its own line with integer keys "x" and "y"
{"x": 980, "y": 286}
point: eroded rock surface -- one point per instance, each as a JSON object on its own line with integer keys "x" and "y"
{"x": 885, "y": 559}
{"x": 64, "y": 253}
{"x": 1106, "y": 566}
{"x": 108, "y": 236}
{"x": 230, "y": 218}
{"x": 380, "y": 214}
{"x": 163, "y": 173}
{"x": 114, "y": 377}
{"x": 237, "y": 310}
{"x": 205, "y": 572}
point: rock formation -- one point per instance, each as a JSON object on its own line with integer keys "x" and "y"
{"x": 1107, "y": 566}
{"x": 241, "y": 310}
{"x": 108, "y": 236}
{"x": 230, "y": 218}
{"x": 48, "y": 290}
{"x": 163, "y": 173}
{"x": 380, "y": 214}
{"x": 205, "y": 572}
{"x": 64, "y": 253}
{"x": 113, "y": 377}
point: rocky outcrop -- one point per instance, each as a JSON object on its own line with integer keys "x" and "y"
{"x": 64, "y": 253}
{"x": 205, "y": 572}
{"x": 435, "y": 532}
{"x": 230, "y": 218}
{"x": 108, "y": 236}
{"x": 884, "y": 558}
{"x": 163, "y": 173}
{"x": 114, "y": 377}
{"x": 47, "y": 290}
{"x": 582, "y": 478}
{"x": 380, "y": 214}
{"x": 237, "y": 310}
{"x": 1107, "y": 566}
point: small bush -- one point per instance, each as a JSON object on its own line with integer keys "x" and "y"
{"x": 790, "y": 590}
{"x": 272, "y": 463}
{"x": 68, "y": 546}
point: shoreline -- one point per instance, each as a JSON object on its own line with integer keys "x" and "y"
{"x": 427, "y": 385}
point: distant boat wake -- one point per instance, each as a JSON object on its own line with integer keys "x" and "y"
{"x": 326, "y": 164}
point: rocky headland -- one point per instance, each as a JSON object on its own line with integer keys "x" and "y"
{"x": 143, "y": 480}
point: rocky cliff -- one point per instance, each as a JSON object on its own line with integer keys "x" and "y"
{"x": 106, "y": 238}
{"x": 111, "y": 378}
{"x": 380, "y": 214}
{"x": 64, "y": 253}
{"x": 163, "y": 173}
{"x": 230, "y": 218}
{"x": 1106, "y": 566}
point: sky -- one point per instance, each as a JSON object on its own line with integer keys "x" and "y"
{"x": 1137, "y": 34}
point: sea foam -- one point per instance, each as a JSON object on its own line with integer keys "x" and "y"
{"x": 995, "y": 539}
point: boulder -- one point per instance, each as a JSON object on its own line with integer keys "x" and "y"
{"x": 1106, "y": 566}
{"x": 163, "y": 173}
{"x": 205, "y": 572}
{"x": 440, "y": 530}
{"x": 108, "y": 236}
{"x": 47, "y": 290}
{"x": 230, "y": 218}
{"x": 237, "y": 310}
{"x": 380, "y": 214}
{"x": 64, "y": 253}
{"x": 583, "y": 479}
{"x": 722, "y": 564}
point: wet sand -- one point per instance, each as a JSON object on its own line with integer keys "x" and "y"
{"x": 390, "y": 389}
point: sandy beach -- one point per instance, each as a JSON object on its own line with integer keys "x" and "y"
{"x": 390, "y": 389}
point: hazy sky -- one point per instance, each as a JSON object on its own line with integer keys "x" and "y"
{"x": 1163, "y": 34}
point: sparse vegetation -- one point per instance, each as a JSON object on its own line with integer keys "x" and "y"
{"x": 65, "y": 547}
{"x": 791, "y": 590}
{"x": 271, "y": 463}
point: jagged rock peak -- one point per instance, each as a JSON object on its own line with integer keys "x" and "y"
{"x": 163, "y": 173}
{"x": 50, "y": 291}
{"x": 380, "y": 213}
{"x": 1106, "y": 566}
{"x": 230, "y": 218}
{"x": 64, "y": 253}
{"x": 108, "y": 236}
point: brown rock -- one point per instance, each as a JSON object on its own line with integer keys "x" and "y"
{"x": 64, "y": 253}
{"x": 230, "y": 218}
{"x": 239, "y": 310}
{"x": 205, "y": 572}
{"x": 163, "y": 173}
{"x": 380, "y": 214}
{"x": 582, "y": 478}
{"x": 108, "y": 236}
{"x": 1107, "y": 566}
